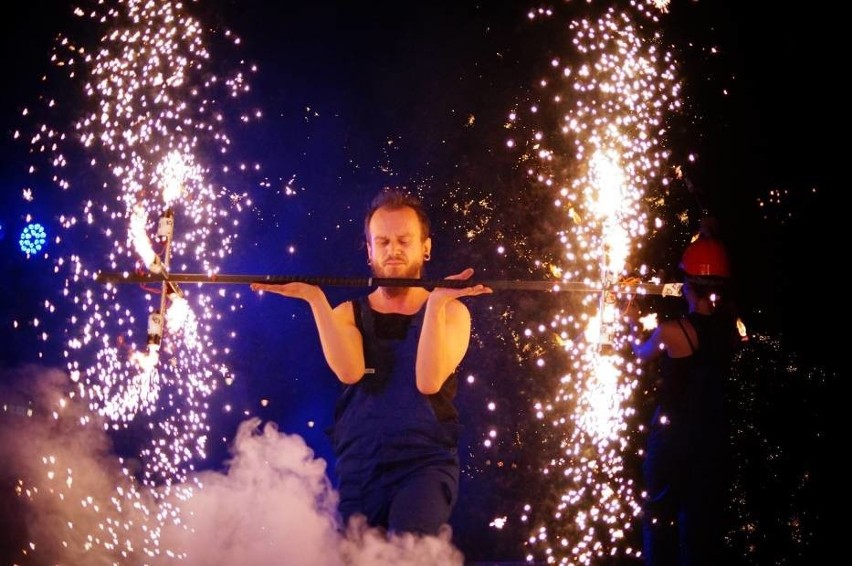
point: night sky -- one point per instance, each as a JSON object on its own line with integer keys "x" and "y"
{"x": 355, "y": 97}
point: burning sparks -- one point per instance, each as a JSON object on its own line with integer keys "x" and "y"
{"x": 148, "y": 112}
{"x": 608, "y": 106}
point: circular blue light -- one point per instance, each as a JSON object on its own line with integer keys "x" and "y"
{"x": 33, "y": 238}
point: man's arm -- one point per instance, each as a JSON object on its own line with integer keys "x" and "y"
{"x": 341, "y": 341}
{"x": 445, "y": 335}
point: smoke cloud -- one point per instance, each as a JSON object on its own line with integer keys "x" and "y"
{"x": 69, "y": 499}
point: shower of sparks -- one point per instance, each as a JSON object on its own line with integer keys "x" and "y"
{"x": 144, "y": 119}
{"x": 599, "y": 157}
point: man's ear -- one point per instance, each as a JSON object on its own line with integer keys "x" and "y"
{"x": 369, "y": 254}
{"x": 427, "y": 247}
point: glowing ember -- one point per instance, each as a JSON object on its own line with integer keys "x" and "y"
{"x": 608, "y": 106}
{"x": 146, "y": 113}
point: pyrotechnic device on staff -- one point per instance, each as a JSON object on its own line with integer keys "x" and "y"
{"x": 155, "y": 328}
{"x": 662, "y": 289}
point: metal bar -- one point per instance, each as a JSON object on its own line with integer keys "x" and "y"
{"x": 664, "y": 289}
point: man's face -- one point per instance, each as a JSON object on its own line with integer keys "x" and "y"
{"x": 396, "y": 248}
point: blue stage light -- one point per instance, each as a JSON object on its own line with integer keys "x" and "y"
{"x": 33, "y": 238}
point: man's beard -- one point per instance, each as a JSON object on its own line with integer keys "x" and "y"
{"x": 411, "y": 271}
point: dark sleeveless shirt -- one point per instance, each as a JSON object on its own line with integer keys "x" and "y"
{"x": 692, "y": 393}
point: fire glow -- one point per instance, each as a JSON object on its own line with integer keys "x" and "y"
{"x": 608, "y": 106}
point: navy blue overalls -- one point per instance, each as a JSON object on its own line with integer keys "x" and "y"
{"x": 396, "y": 462}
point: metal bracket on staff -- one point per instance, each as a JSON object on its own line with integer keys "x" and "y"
{"x": 662, "y": 289}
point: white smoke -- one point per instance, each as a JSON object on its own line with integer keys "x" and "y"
{"x": 69, "y": 500}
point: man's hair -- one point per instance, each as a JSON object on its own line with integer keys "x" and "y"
{"x": 395, "y": 199}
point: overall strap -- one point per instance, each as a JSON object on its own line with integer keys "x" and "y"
{"x": 686, "y": 334}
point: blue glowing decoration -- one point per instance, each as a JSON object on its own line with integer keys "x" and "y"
{"x": 33, "y": 238}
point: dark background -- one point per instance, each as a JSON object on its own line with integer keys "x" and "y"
{"x": 359, "y": 96}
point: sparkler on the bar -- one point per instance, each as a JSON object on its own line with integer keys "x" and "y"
{"x": 606, "y": 103}
{"x": 149, "y": 109}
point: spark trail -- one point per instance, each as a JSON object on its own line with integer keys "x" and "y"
{"x": 147, "y": 117}
{"x": 594, "y": 141}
